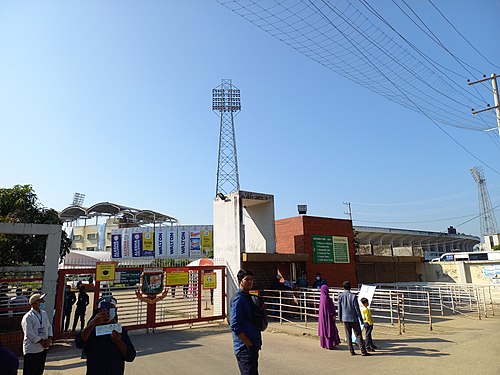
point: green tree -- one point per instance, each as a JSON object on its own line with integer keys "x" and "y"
{"x": 20, "y": 205}
{"x": 496, "y": 247}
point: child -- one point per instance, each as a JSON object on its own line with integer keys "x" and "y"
{"x": 368, "y": 323}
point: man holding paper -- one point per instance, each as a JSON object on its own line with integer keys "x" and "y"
{"x": 106, "y": 344}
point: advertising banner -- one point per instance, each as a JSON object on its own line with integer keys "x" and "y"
{"x": 183, "y": 242}
{"x": 160, "y": 243}
{"x": 171, "y": 242}
{"x": 101, "y": 237}
{"x": 116, "y": 244}
{"x": 126, "y": 243}
{"x": 136, "y": 242}
{"x": 207, "y": 241}
{"x": 147, "y": 242}
{"x": 194, "y": 243}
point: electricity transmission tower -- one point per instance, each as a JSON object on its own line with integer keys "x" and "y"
{"x": 488, "y": 222}
{"x": 226, "y": 103}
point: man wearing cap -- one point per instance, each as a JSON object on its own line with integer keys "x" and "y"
{"x": 37, "y": 336}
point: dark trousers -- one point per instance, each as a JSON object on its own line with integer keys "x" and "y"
{"x": 79, "y": 315}
{"x": 66, "y": 319}
{"x": 34, "y": 363}
{"x": 354, "y": 326}
{"x": 248, "y": 361}
{"x": 368, "y": 332}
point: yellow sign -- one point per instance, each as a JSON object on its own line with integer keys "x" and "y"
{"x": 105, "y": 271}
{"x": 209, "y": 280}
{"x": 148, "y": 241}
{"x": 177, "y": 278}
{"x": 206, "y": 241}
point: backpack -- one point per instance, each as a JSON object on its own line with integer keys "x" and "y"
{"x": 259, "y": 312}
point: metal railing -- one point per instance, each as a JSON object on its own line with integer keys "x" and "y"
{"x": 392, "y": 304}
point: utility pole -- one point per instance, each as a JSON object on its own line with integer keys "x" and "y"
{"x": 493, "y": 79}
{"x": 349, "y": 212}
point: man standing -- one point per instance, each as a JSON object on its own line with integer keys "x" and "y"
{"x": 350, "y": 314}
{"x": 302, "y": 281}
{"x": 37, "y": 336}
{"x": 247, "y": 339}
{"x": 81, "y": 307}
{"x": 69, "y": 301}
{"x": 319, "y": 281}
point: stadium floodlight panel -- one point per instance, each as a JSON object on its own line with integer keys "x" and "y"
{"x": 78, "y": 199}
{"x": 226, "y": 100}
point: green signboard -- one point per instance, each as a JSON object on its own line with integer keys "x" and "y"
{"x": 340, "y": 249}
{"x": 130, "y": 277}
{"x": 330, "y": 249}
{"x": 322, "y": 247}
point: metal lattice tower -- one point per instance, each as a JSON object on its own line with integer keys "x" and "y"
{"x": 226, "y": 103}
{"x": 488, "y": 222}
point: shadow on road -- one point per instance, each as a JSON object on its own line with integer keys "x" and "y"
{"x": 406, "y": 347}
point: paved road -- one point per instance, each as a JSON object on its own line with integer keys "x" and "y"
{"x": 456, "y": 346}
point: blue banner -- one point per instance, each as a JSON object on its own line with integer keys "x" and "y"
{"x": 136, "y": 244}
{"x": 116, "y": 246}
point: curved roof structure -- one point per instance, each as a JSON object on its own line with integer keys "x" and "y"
{"x": 113, "y": 209}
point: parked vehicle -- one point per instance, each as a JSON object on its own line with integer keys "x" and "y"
{"x": 466, "y": 256}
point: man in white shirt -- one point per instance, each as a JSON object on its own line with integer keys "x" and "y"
{"x": 37, "y": 336}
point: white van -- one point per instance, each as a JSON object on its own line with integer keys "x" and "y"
{"x": 472, "y": 255}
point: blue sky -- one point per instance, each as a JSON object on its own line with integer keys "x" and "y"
{"x": 113, "y": 99}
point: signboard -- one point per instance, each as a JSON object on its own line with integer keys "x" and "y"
{"x": 177, "y": 278}
{"x": 105, "y": 271}
{"x": 152, "y": 282}
{"x": 148, "y": 242}
{"x": 129, "y": 277}
{"x": 322, "y": 247}
{"x": 209, "y": 280}
{"x": 207, "y": 242}
{"x": 330, "y": 249}
{"x": 340, "y": 249}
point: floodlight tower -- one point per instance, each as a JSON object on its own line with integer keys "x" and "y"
{"x": 78, "y": 199}
{"x": 226, "y": 103}
{"x": 488, "y": 222}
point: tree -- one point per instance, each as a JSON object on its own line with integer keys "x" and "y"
{"x": 20, "y": 205}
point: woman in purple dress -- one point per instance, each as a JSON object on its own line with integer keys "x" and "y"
{"x": 327, "y": 330}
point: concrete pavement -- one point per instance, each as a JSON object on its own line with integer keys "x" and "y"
{"x": 460, "y": 344}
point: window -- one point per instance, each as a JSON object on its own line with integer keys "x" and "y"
{"x": 108, "y": 235}
{"x": 91, "y": 236}
{"x": 480, "y": 256}
{"x": 108, "y": 248}
{"x": 90, "y": 248}
{"x": 77, "y": 237}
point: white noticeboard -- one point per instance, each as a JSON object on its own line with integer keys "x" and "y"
{"x": 366, "y": 291}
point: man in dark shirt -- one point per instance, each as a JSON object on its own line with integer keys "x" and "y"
{"x": 81, "y": 307}
{"x": 69, "y": 301}
{"x": 107, "y": 353}
{"x": 247, "y": 338}
{"x": 350, "y": 315}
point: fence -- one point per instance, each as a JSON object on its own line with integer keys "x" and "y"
{"x": 392, "y": 304}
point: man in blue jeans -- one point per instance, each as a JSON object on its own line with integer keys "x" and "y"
{"x": 247, "y": 339}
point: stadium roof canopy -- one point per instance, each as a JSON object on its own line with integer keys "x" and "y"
{"x": 73, "y": 213}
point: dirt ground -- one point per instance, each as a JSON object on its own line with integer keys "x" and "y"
{"x": 456, "y": 345}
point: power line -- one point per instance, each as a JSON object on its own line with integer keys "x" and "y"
{"x": 463, "y": 37}
{"x": 298, "y": 24}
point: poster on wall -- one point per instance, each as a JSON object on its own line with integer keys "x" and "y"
{"x": 183, "y": 241}
{"x": 171, "y": 233}
{"x": 136, "y": 242}
{"x": 127, "y": 243}
{"x": 207, "y": 241}
{"x": 116, "y": 244}
{"x": 194, "y": 243}
{"x": 340, "y": 249}
{"x": 160, "y": 243}
{"x": 175, "y": 242}
{"x": 147, "y": 242}
{"x": 322, "y": 247}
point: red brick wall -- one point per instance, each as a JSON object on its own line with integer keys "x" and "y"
{"x": 294, "y": 235}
